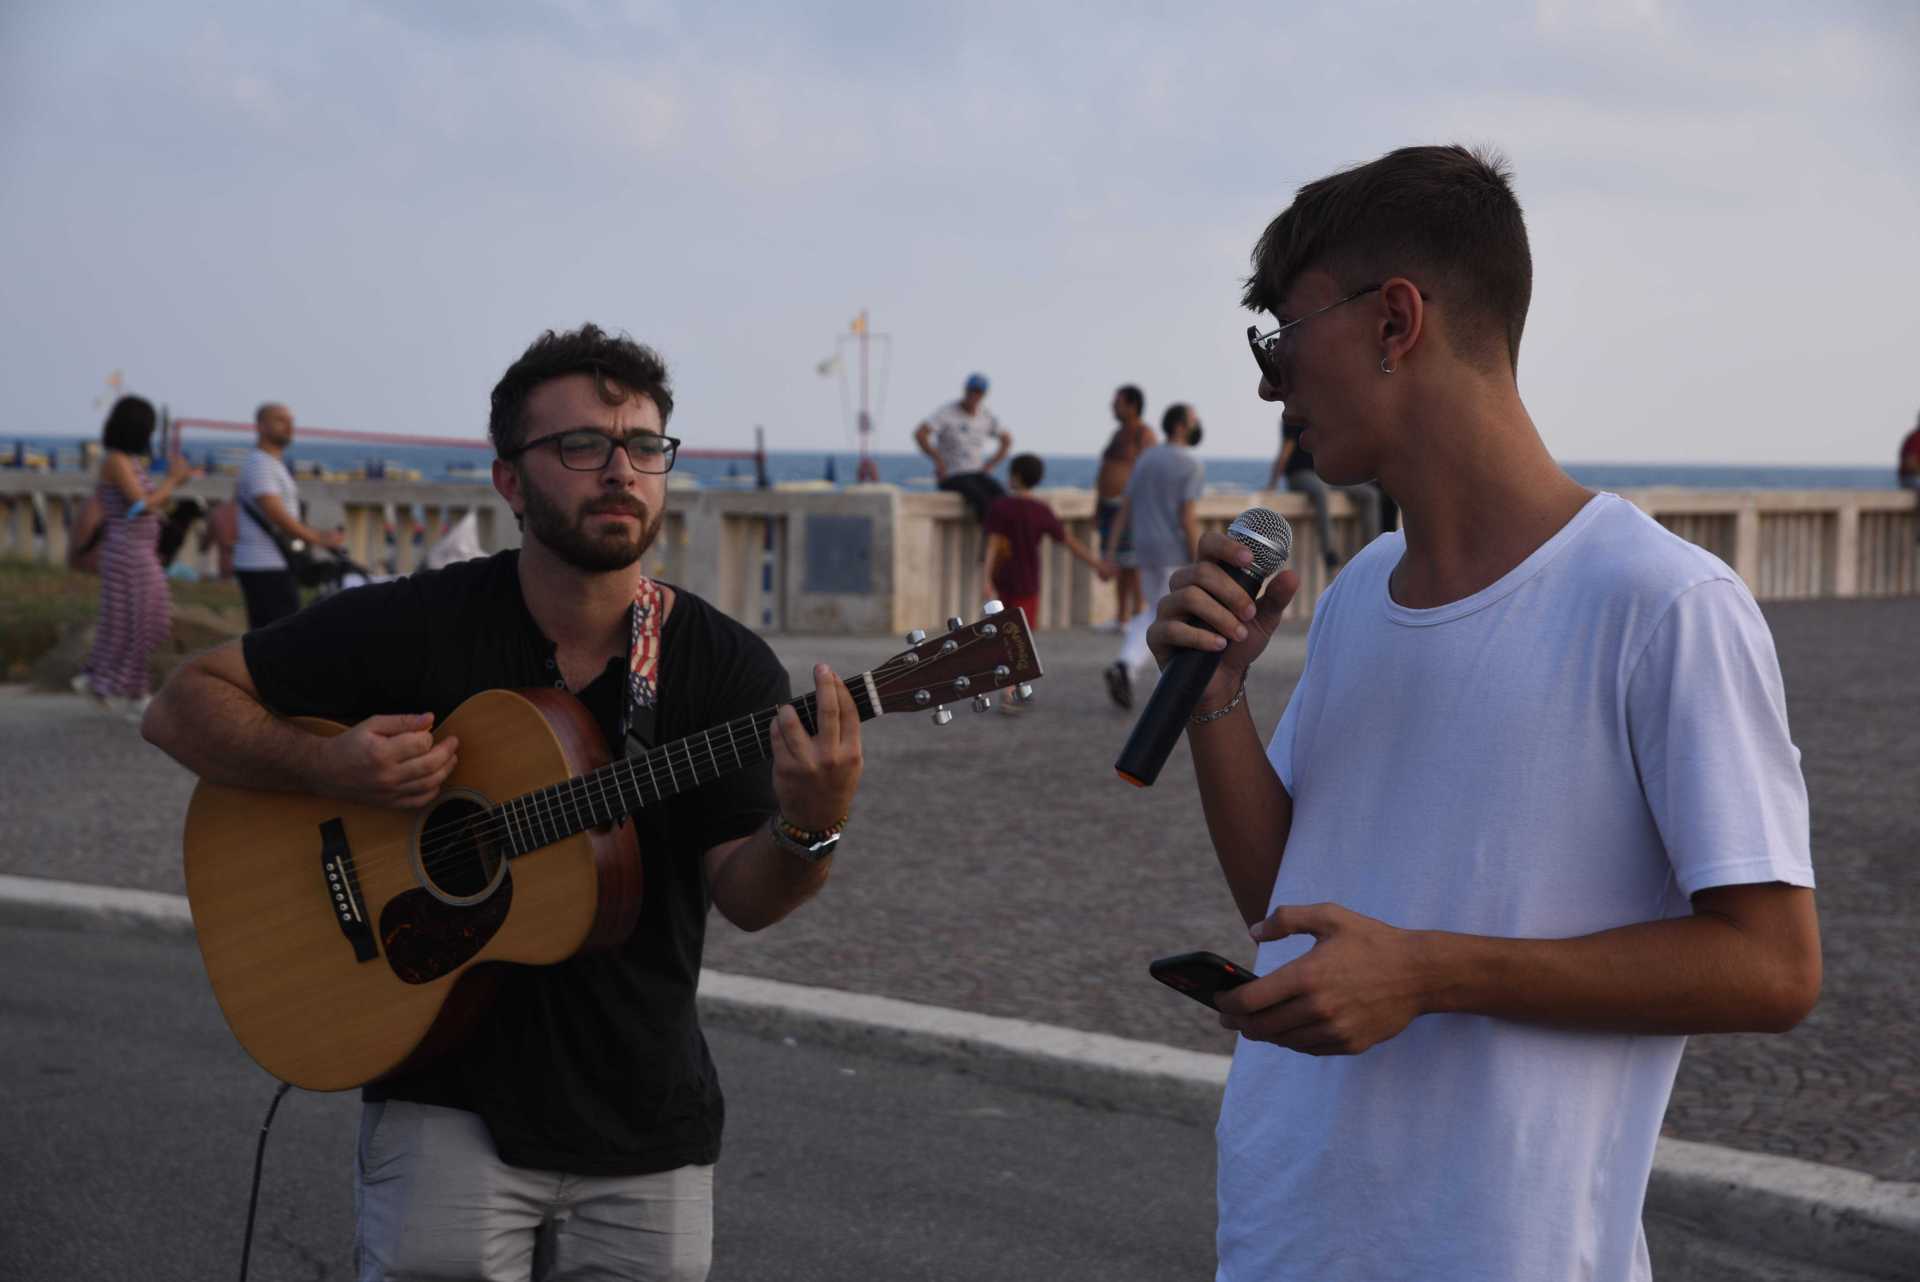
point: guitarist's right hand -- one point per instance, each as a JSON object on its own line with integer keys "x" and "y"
{"x": 387, "y": 761}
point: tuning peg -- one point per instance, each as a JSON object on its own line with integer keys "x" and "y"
{"x": 955, "y": 623}
{"x": 916, "y": 636}
{"x": 982, "y": 702}
{"x": 1023, "y": 693}
{"x": 991, "y": 608}
{"x": 942, "y": 715}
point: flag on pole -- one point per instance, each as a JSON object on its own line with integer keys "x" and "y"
{"x": 859, "y": 325}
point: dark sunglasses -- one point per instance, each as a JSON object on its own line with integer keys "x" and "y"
{"x": 1267, "y": 350}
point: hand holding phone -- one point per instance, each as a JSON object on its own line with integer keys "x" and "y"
{"x": 1200, "y": 975}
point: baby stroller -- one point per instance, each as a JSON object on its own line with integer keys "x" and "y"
{"x": 327, "y": 569}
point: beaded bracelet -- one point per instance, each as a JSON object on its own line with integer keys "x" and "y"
{"x": 812, "y": 847}
{"x": 804, "y": 836}
{"x": 1201, "y": 719}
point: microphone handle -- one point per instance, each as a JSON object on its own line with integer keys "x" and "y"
{"x": 1177, "y": 694}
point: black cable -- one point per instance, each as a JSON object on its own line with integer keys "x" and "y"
{"x": 253, "y": 1198}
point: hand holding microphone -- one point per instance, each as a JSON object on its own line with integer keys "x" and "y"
{"x": 1208, "y": 631}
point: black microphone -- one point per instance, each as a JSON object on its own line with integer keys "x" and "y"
{"x": 1268, "y": 536}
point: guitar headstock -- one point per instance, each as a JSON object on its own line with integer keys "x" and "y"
{"x": 968, "y": 661}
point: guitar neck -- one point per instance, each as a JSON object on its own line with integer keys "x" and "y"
{"x": 620, "y": 788}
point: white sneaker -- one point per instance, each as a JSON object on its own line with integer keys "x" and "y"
{"x": 81, "y": 685}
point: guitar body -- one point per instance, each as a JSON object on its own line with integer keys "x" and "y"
{"x": 346, "y": 943}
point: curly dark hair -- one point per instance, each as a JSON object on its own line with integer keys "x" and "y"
{"x": 620, "y": 368}
{"x": 1445, "y": 216}
{"x": 129, "y": 425}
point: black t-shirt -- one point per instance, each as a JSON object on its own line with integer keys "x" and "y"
{"x": 594, "y": 1066}
{"x": 1299, "y": 460}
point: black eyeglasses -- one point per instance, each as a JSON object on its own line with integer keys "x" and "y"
{"x": 1267, "y": 347}
{"x": 585, "y": 449}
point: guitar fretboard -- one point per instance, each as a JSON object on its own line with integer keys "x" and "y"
{"x": 618, "y": 789}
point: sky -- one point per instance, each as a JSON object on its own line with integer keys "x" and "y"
{"x": 368, "y": 208}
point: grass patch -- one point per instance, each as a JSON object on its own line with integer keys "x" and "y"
{"x": 40, "y": 603}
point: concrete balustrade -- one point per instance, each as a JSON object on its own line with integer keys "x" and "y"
{"x": 875, "y": 559}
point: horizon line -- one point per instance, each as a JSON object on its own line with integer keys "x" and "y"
{"x": 467, "y": 442}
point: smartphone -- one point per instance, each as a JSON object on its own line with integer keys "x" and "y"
{"x": 1200, "y": 976}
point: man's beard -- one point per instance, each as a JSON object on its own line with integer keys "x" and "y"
{"x": 611, "y": 548}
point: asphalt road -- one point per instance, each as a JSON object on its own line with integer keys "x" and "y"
{"x": 996, "y": 865}
{"x": 129, "y": 1119}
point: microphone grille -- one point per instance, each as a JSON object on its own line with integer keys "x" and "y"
{"x": 1266, "y": 534}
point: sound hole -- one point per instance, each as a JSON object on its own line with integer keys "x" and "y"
{"x": 460, "y": 851}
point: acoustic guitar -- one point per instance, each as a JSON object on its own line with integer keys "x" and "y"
{"x": 346, "y": 943}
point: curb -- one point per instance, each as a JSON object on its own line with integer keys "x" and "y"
{"x": 1824, "y": 1215}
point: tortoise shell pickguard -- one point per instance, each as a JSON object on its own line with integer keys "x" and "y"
{"x": 424, "y": 938}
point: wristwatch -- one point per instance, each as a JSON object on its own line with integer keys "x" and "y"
{"x": 810, "y": 846}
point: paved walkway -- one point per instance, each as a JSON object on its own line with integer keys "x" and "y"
{"x": 996, "y": 865}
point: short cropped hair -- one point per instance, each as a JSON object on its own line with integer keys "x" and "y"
{"x": 1133, "y": 396}
{"x": 1444, "y": 217}
{"x": 620, "y": 368}
{"x": 129, "y": 425}
{"x": 1026, "y": 469}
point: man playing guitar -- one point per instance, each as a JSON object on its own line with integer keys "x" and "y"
{"x": 575, "y": 1132}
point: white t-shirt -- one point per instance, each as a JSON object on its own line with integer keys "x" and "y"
{"x": 1580, "y": 746}
{"x": 262, "y": 474}
{"x": 960, "y": 438}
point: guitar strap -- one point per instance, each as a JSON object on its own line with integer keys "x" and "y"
{"x": 637, "y": 728}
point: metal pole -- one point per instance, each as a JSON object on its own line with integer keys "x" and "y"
{"x": 867, "y": 470}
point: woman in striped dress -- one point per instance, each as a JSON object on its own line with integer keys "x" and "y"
{"x": 135, "y": 609}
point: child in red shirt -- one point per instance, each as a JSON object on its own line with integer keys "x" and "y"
{"x": 1014, "y": 527}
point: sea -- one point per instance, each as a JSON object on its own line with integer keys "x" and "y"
{"x": 466, "y": 464}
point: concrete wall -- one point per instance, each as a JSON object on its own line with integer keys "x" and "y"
{"x": 870, "y": 559}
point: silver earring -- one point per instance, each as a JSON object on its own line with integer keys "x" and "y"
{"x": 1384, "y": 367}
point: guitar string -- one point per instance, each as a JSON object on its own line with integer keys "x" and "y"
{"x": 575, "y": 803}
{"x": 445, "y": 849}
{"x": 578, "y": 803}
{"x": 578, "y": 792}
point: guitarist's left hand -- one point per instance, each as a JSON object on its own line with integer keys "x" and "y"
{"x": 814, "y": 776}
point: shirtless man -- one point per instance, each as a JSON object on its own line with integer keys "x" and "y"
{"x": 1131, "y": 437}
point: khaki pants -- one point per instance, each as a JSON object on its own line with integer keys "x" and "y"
{"x": 432, "y": 1199}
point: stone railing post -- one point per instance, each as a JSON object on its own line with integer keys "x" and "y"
{"x": 1746, "y": 544}
{"x": 1845, "y": 576}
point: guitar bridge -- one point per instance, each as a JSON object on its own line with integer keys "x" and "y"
{"x": 343, "y": 889}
